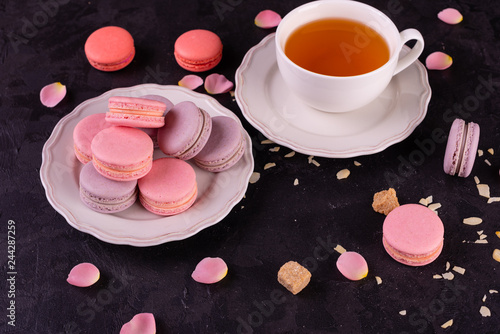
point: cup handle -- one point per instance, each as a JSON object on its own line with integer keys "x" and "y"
{"x": 415, "y": 52}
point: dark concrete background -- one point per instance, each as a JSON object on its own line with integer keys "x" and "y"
{"x": 42, "y": 42}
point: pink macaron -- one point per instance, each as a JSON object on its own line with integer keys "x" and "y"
{"x": 122, "y": 153}
{"x": 136, "y": 112}
{"x": 461, "y": 148}
{"x": 198, "y": 50}
{"x": 186, "y": 131}
{"x": 169, "y": 188}
{"x": 105, "y": 195}
{"x": 413, "y": 234}
{"x": 84, "y": 132}
{"x": 224, "y": 148}
{"x": 110, "y": 48}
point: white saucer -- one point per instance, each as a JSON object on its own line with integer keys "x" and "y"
{"x": 218, "y": 193}
{"x": 271, "y": 108}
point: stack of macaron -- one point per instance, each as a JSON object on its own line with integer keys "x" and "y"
{"x": 117, "y": 149}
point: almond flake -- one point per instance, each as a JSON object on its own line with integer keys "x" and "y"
{"x": 267, "y": 141}
{"x": 340, "y": 249}
{"x": 476, "y": 179}
{"x": 480, "y": 153}
{"x": 482, "y": 236}
{"x": 402, "y": 312}
{"x": 269, "y": 165}
{"x": 459, "y": 270}
{"x": 274, "y": 149}
{"x": 472, "y": 221}
{"x": 485, "y": 312}
{"x": 429, "y": 199}
{"x": 484, "y": 298}
{"x": 496, "y": 255}
{"x": 487, "y": 162}
{"x": 497, "y": 233}
{"x": 480, "y": 232}
{"x": 435, "y": 206}
{"x": 254, "y": 177}
{"x": 378, "y": 279}
{"x": 493, "y": 199}
{"x": 447, "y": 265}
{"x": 449, "y": 276}
{"x": 232, "y": 93}
{"x": 437, "y": 276}
{"x": 343, "y": 174}
{"x": 310, "y": 158}
{"x": 481, "y": 241}
{"x": 491, "y": 151}
{"x": 296, "y": 182}
{"x": 357, "y": 164}
{"x": 315, "y": 163}
{"x": 289, "y": 155}
{"x": 447, "y": 324}
{"x": 492, "y": 291}
{"x": 484, "y": 190}
{"x": 423, "y": 201}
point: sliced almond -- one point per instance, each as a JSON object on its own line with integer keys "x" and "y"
{"x": 315, "y": 163}
{"x": 296, "y": 182}
{"x": 429, "y": 199}
{"x": 434, "y": 206}
{"x": 487, "y": 162}
{"x": 289, "y": 155}
{"x": 491, "y": 151}
{"x": 481, "y": 241}
{"x": 378, "y": 279}
{"x": 402, "y": 312}
{"x": 459, "y": 270}
{"x": 447, "y": 324}
{"x": 484, "y": 298}
{"x": 493, "y": 199}
{"x": 266, "y": 142}
{"x": 340, "y": 249}
{"x": 485, "y": 312}
{"x": 423, "y": 201}
{"x": 357, "y": 164}
{"x": 476, "y": 179}
{"x": 274, "y": 149}
{"x": 449, "y": 276}
{"x": 310, "y": 158}
{"x": 484, "y": 190}
{"x": 343, "y": 174}
{"x": 269, "y": 165}
{"x": 497, "y": 233}
{"x": 472, "y": 221}
{"x": 480, "y": 153}
{"x": 254, "y": 177}
{"x": 437, "y": 276}
{"x": 493, "y": 291}
{"x": 482, "y": 236}
{"x": 447, "y": 265}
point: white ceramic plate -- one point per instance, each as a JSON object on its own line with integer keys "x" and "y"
{"x": 272, "y": 109}
{"x": 218, "y": 193}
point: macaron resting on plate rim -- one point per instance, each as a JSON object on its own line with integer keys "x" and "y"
{"x": 218, "y": 192}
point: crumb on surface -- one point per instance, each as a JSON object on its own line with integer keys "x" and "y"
{"x": 385, "y": 201}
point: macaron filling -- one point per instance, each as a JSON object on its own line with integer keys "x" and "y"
{"x": 116, "y": 172}
{"x": 169, "y": 208}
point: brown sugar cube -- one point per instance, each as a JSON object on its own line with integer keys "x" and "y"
{"x": 294, "y": 277}
{"x": 385, "y": 201}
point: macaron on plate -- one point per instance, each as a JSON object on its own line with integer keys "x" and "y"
{"x": 136, "y": 226}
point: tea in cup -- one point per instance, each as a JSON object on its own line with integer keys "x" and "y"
{"x": 339, "y": 55}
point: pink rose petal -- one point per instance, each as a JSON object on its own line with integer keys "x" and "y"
{"x": 438, "y": 61}
{"x": 267, "y": 19}
{"x": 352, "y": 265}
{"x": 217, "y": 84}
{"x": 450, "y": 16}
{"x": 83, "y": 275}
{"x": 142, "y": 323}
{"x": 210, "y": 270}
{"x": 52, "y": 94}
{"x": 191, "y": 81}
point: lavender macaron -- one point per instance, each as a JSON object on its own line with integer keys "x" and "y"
{"x": 105, "y": 195}
{"x": 224, "y": 148}
{"x": 461, "y": 148}
{"x": 186, "y": 131}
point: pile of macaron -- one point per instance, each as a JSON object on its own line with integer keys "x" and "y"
{"x": 117, "y": 146}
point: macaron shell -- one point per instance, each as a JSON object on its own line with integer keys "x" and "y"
{"x": 198, "y": 50}
{"x": 414, "y": 231}
{"x": 84, "y": 132}
{"x": 453, "y": 147}
{"x": 135, "y": 112}
{"x": 122, "y": 153}
{"x": 410, "y": 259}
{"x": 105, "y": 195}
{"x": 224, "y": 148}
{"x": 169, "y": 188}
{"x": 470, "y": 150}
{"x": 186, "y": 131}
{"x": 110, "y": 48}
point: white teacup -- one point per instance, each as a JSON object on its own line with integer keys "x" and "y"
{"x": 343, "y": 93}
